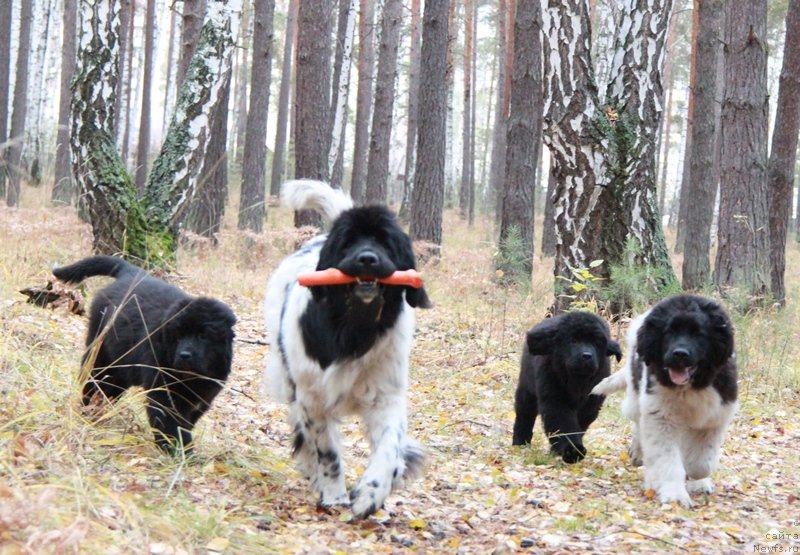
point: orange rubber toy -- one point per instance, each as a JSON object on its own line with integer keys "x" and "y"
{"x": 332, "y": 276}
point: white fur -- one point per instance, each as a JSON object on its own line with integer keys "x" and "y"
{"x": 373, "y": 386}
{"x": 677, "y": 432}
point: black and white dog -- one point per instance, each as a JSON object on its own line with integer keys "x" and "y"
{"x": 343, "y": 349}
{"x": 681, "y": 386}
{"x": 563, "y": 359}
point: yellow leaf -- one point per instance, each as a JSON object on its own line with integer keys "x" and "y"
{"x": 417, "y": 524}
{"x": 218, "y": 544}
{"x": 623, "y": 456}
{"x": 650, "y": 493}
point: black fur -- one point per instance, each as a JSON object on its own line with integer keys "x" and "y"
{"x": 145, "y": 332}
{"x": 366, "y": 242}
{"x": 563, "y": 359}
{"x": 689, "y": 332}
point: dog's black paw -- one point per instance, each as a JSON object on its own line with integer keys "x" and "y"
{"x": 571, "y": 453}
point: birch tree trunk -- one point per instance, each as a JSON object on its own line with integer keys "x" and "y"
{"x": 366, "y": 72}
{"x": 143, "y": 143}
{"x": 20, "y": 106}
{"x": 282, "y": 123}
{"x": 412, "y": 117}
{"x": 252, "y": 205}
{"x": 700, "y": 191}
{"x": 742, "y": 265}
{"x": 427, "y": 198}
{"x": 522, "y": 150}
{"x": 381, "y": 134}
{"x": 5, "y": 72}
{"x": 63, "y": 190}
{"x": 784, "y": 152}
{"x": 497, "y": 164}
{"x": 466, "y": 141}
{"x": 605, "y": 155}
{"x": 341, "y": 83}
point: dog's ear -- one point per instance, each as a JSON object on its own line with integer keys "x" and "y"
{"x": 418, "y": 298}
{"x": 613, "y": 348}
{"x": 721, "y": 334}
{"x": 541, "y": 337}
{"x": 173, "y": 318}
{"x": 649, "y": 338}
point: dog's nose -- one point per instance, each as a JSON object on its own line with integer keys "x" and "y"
{"x": 680, "y": 354}
{"x": 185, "y": 355}
{"x": 367, "y": 259}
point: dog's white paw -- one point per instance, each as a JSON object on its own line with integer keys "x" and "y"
{"x": 368, "y": 496}
{"x": 671, "y": 493}
{"x": 700, "y": 486}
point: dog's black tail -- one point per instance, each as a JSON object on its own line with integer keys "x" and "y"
{"x": 95, "y": 266}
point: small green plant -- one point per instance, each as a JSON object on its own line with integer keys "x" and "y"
{"x": 512, "y": 260}
{"x": 583, "y": 289}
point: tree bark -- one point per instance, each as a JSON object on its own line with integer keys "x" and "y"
{"x": 699, "y": 192}
{"x": 466, "y": 140}
{"x": 381, "y": 134}
{"x": 252, "y": 205}
{"x": 364, "y": 94}
{"x": 549, "y": 226}
{"x": 122, "y": 117}
{"x": 241, "y": 73}
{"x": 497, "y": 165}
{"x": 20, "y": 106}
{"x": 191, "y": 24}
{"x": 143, "y": 144}
{"x": 784, "y": 152}
{"x": 742, "y": 261}
{"x": 63, "y": 190}
{"x": 427, "y": 200}
{"x": 341, "y": 91}
{"x": 524, "y": 136}
{"x": 172, "y": 61}
{"x": 5, "y": 72}
{"x": 312, "y": 96}
{"x": 412, "y": 117}
{"x": 282, "y": 123}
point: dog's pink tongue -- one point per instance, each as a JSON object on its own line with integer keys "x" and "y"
{"x": 679, "y": 376}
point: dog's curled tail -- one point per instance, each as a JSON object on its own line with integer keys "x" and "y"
{"x": 100, "y": 265}
{"x": 309, "y": 194}
{"x": 615, "y": 382}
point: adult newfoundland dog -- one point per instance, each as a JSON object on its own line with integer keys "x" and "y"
{"x": 145, "y": 332}
{"x": 681, "y": 387}
{"x": 343, "y": 349}
{"x": 563, "y": 359}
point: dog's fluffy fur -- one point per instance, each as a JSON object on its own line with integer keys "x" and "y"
{"x": 145, "y": 332}
{"x": 564, "y": 357}
{"x": 344, "y": 349}
{"x": 680, "y": 378}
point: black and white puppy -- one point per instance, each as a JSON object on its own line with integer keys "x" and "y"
{"x": 680, "y": 379}
{"x": 564, "y": 358}
{"x": 337, "y": 350}
{"x": 145, "y": 332}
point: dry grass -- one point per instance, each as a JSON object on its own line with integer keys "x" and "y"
{"x": 75, "y": 482}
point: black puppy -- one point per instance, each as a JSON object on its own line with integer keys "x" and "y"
{"x": 145, "y": 332}
{"x": 564, "y": 358}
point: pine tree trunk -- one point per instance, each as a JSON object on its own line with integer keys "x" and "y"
{"x": 449, "y": 84}
{"x": 522, "y": 151}
{"x": 16, "y": 136}
{"x": 252, "y": 205}
{"x": 700, "y": 191}
{"x": 241, "y": 70}
{"x": 549, "y": 226}
{"x": 63, "y": 190}
{"x": 364, "y": 95}
{"x": 5, "y": 73}
{"x": 143, "y": 143}
{"x": 466, "y": 140}
{"x": 312, "y": 98}
{"x": 742, "y": 262}
{"x": 191, "y": 24}
{"x": 412, "y": 117}
{"x": 427, "y": 200}
{"x": 784, "y": 151}
{"x": 341, "y": 91}
{"x": 381, "y": 134}
{"x": 282, "y": 123}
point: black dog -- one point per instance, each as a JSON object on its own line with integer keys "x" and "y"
{"x": 145, "y": 332}
{"x": 565, "y": 358}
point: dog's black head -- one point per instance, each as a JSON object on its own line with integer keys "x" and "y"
{"x": 579, "y": 342}
{"x": 685, "y": 340}
{"x": 368, "y": 243}
{"x": 198, "y": 339}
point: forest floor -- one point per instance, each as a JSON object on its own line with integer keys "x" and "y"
{"x": 74, "y": 482}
